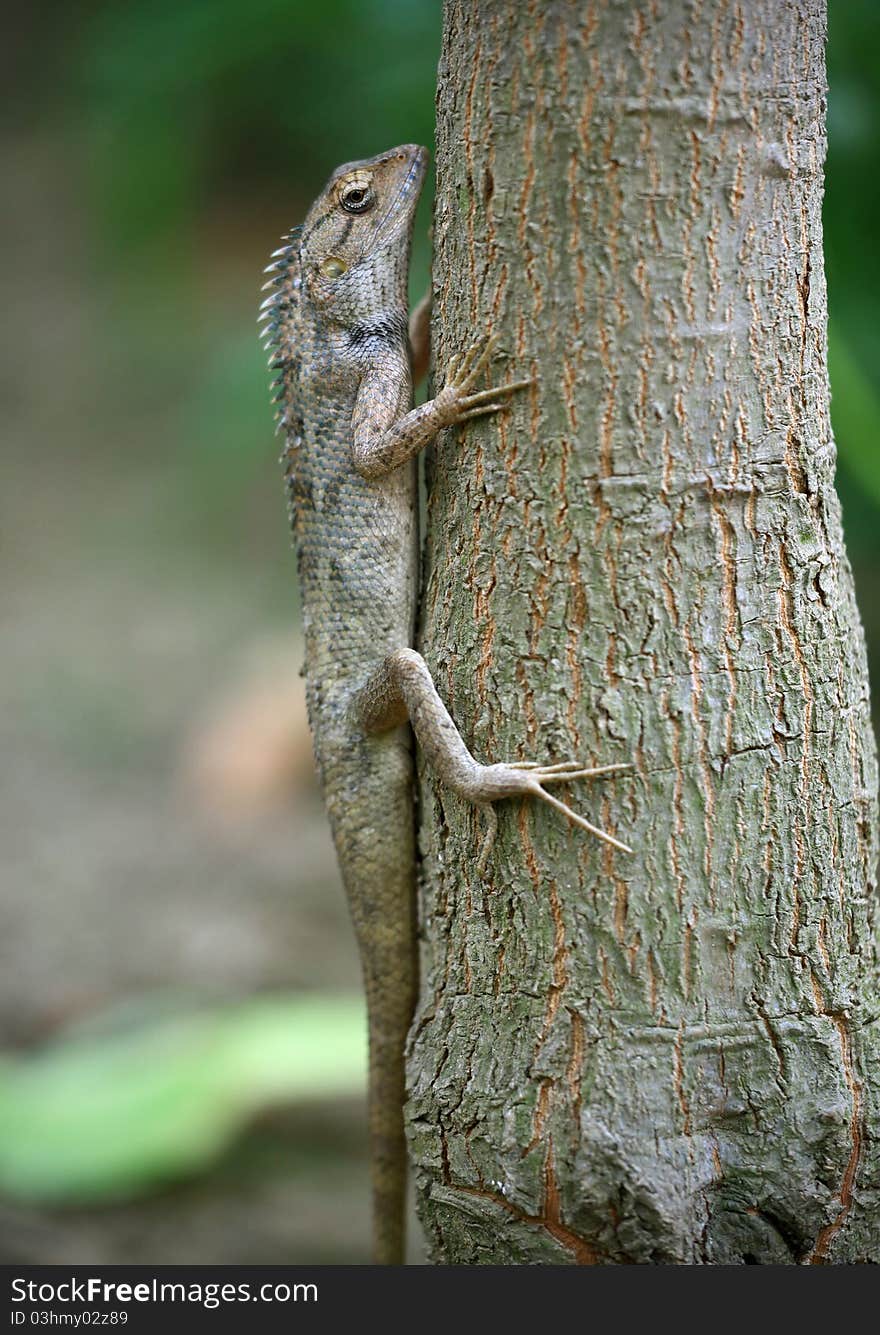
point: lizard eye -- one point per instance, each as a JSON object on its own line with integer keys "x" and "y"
{"x": 357, "y": 199}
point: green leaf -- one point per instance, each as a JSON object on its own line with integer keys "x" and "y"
{"x": 94, "y": 1118}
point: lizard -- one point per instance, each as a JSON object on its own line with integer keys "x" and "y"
{"x": 335, "y": 326}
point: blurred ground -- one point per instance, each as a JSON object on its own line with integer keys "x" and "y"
{"x": 161, "y": 841}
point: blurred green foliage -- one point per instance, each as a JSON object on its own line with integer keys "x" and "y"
{"x": 852, "y": 199}
{"x": 206, "y": 127}
{"x": 180, "y": 100}
{"x": 856, "y": 416}
{"x": 101, "y": 1115}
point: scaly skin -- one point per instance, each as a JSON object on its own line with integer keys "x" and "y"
{"x": 336, "y": 322}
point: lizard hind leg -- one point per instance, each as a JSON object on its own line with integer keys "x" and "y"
{"x": 402, "y": 687}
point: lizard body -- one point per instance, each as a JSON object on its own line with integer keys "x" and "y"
{"x": 337, "y": 324}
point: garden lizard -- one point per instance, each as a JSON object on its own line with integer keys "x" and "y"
{"x": 335, "y": 320}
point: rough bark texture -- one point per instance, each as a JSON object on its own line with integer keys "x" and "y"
{"x": 671, "y": 1057}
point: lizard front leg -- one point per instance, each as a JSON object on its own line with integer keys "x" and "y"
{"x": 383, "y": 439}
{"x": 402, "y": 687}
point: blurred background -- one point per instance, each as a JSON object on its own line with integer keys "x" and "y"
{"x": 181, "y": 1034}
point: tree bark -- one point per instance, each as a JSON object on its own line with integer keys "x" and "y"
{"x": 670, "y": 1057}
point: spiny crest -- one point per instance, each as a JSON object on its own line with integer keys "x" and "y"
{"x": 282, "y": 287}
{"x": 277, "y": 311}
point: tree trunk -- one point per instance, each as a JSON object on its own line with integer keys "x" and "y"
{"x": 670, "y": 1057}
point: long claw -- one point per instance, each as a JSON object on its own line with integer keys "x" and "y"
{"x": 538, "y": 791}
{"x": 459, "y": 363}
{"x": 514, "y": 385}
{"x": 470, "y": 375}
{"x": 562, "y": 774}
{"x": 558, "y": 768}
{"x": 479, "y": 412}
{"x": 484, "y": 395}
{"x": 569, "y": 768}
{"x": 471, "y": 352}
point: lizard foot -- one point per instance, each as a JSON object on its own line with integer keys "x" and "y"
{"x": 463, "y": 373}
{"x": 528, "y": 778}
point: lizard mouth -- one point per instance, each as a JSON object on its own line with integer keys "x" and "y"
{"x": 401, "y": 210}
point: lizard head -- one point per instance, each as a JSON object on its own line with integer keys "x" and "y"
{"x": 355, "y": 240}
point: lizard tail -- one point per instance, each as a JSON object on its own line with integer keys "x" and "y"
{"x": 374, "y": 832}
{"x": 389, "y": 1008}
